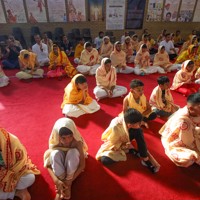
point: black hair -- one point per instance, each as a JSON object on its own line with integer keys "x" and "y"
{"x": 107, "y": 61}
{"x": 169, "y": 13}
{"x": 162, "y": 80}
{"x": 26, "y": 55}
{"x": 136, "y": 83}
{"x": 65, "y": 131}
{"x": 80, "y": 79}
{"x": 88, "y": 44}
{"x": 132, "y": 116}
{"x": 190, "y": 62}
{"x": 167, "y": 34}
{"x": 100, "y": 32}
{"x": 194, "y": 98}
{"x": 144, "y": 46}
{"x": 163, "y": 47}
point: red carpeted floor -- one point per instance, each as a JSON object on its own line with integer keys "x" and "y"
{"x": 29, "y": 111}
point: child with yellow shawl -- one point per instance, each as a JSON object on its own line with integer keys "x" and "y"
{"x": 16, "y": 169}
{"x": 118, "y": 137}
{"x": 161, "y": 98}
{"x": 106, "y": 78}
{"x": 137, "y": 100}
{"x": 76, "y": 100}
{"x": 60, "y": 64}
{"x": 29, "y": 66}
{"x": 65, "y": 158}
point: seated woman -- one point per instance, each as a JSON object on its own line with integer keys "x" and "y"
{"x": 142, "y": 62}
{"x": 65, "y": 158}
{"x": 16, "y": 169}
{"x": 106, "y": 78}
{"x": 161, "y": 59}
{"x": 76, "y": 100}
{"x": 135, "y": 43}
{"x": 190, "y": 41}
{"x": 4, "y": 80}
{"x": 60, "y": 64}
{"x": 106, "y": 48}
{"x": 161, "y": 98}
{"x": 29, "y": 66}
{"x": 180, "y": 134}
{"x": 89, "y": 60}
{"x": 188, "y": 54}
{"x": 127, "y": 47}
{"x": 117, "y": 140}
{"x": 183, "y": 82}
{"x": 118, "y": 59}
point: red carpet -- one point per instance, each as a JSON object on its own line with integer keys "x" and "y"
{"x": 29, "y": 110}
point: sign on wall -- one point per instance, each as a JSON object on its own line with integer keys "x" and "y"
{"x": 115, "y": 14}
{"x": 76, "y": 10}
{"x": 36, "y": 11}
{"x": 15, "y": 12}
{"x": 186, "y": 10}
{"x": 171, "y": 10}
{"x": 154, "y": 12}
{"x": 57, "y": 10}
{"x": 135, "y": 14}
{"x": 96, "y": 10}
{"x": 2, "y": 16}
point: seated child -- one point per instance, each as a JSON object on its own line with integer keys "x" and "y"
{"x": 183, "y": 82}
{"x": 76, "y": 100}
{"x": 4, "y": 80}
{"x": 137, "y": 100}
{"x": 118, "y": 59}
{"x": 60, "y": 64}
{"x": 106, "y": 78}
{"x": 161, "y": 99}
{"x": 65, "y": 158}
{"x": 117, "y": 140}
{"x": 180, "y": 134}
{"x": 29, "y": 66}
{"x": 162, "y": 59}
{"x": 17, "y": 172}
{"x": 89, "y": 60}
{"x": 142, "y": 62}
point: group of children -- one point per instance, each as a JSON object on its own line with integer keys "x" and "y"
{"x": 65, "y": 158}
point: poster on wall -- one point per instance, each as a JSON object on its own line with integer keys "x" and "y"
{"x": 15, "y": 12}
{"x": 154, "y": 12}
{"x": 171, "y": 10}
{"x": 36, "y": 11}
{"x": 2, "y": 16}
{"x": 186, "y": 10}
{"x": 135, "y": 14}
{"x": 196, "y": 17}
{"x": 115, "y": 14}
{"x": 96, "y": 10}
{"x": 57, "y": 10}
{"x": 76, "y": 10}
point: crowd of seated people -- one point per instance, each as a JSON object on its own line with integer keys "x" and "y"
{"x": 105, "y": 60}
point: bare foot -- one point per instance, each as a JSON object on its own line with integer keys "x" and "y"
{"x": 57, "y": 197}
{"x": 23, "y": 194}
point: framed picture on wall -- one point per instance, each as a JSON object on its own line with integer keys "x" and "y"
{"x": 76, "y": 10}
{"x": 115, "y": 14}
{"x": 170, "y": 12}
{"x": 2, "y": 16}
{"x": 57, "y": 10}
{"x": 186, "y": 10}
{"x": 15, "y": 12}
{"x": 95, "y": 8}
{"x": 154, "y": 11}
{"x": 36, "y": 11}
{"x": 135, "y": 14}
